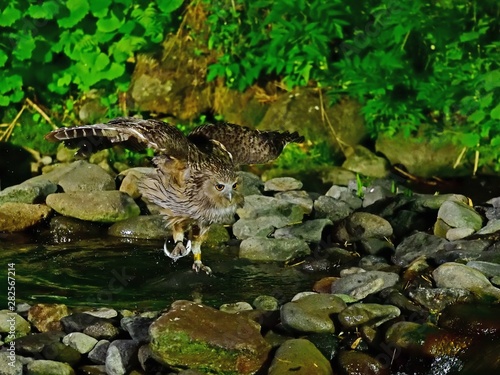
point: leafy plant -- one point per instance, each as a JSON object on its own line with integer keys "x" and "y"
{"x": 287, "y": 38}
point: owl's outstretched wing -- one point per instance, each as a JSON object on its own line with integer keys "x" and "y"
{"x": 132, "y": 133}
{"x": 247, "y": 146}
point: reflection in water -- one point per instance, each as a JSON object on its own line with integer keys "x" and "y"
{"x": 137, "y": 275}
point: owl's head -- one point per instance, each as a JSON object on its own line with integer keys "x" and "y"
{"x": 223, "y": 189}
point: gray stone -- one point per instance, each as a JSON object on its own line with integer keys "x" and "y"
{"x": 359, "y": 285}
{"x": 455, "y": 234}
{"x": 251, "y": 184}
{"x": 137, "y": 327}
{"x": 453, "y": 214}
{"x": 79, "y": 341}
{"x": 103, "y": 312}
{"x": 10, "y": 364}
{"x": 374, "y": 194}
{"x": 363, "y": 225}
{"x": 365, "y": 162}
{"x": 44, "y": 367}
{"x": 426, "y": 202}
{"x": 488, "y": 269}
{"x": 312, "y": 313}
{"x": 98, "y": 354}
{"x": 332, "y": 209}
{"x": 348, "y": 195}
{"x": 21, "y": 326}
{"x": 262, "y": 226}
{"x": 102, "y": 329}
{"x": 403, "y": 334}
{"x": 456, "y": 275}
{"x": 371, "y": 314}
{"x": 234, "y": 308}
{"x": 99, "y": 206}
{"x": 282, "y": 184}
{"x": 415, "y": 246}
{"x": 15, "y": 217}
{"x": 271, "y": 249}
{"x": 144, "y": 227}
{"x": 300, "y": 357}
{"x": 309, "y": 231}
{"x": 28, "y": 192}
{"x": 121, "y": 356}
{"x": 34, "y": 344}
{"x": 491, "y": 227}
{"x": 298, "y": 197}
{"x": 266, "y": 303}
{"x": 259, "y": 205}
{"x": 59, "y": 352}
{"x": 86, "y": 177}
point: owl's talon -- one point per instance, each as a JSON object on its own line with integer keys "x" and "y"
{"x": 179, "y": 250}
{"x": 198, "y": 266}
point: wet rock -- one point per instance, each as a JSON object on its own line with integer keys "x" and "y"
{"x": 203, "y": 338}
{"x": 10, "y": 365}
{"x": 67, "y": 229}
{"x": 35, "y": 343}
{"x": 146, "y": 227}
{"x": 361, "y": 284}
{"x": 28, "y": 192}
{"x": 217, "y": 234}
{"x": 328, "y": 344}
{"x": 77, "y": 322}
{"x": 324, "y": 285}
{"x": 21, "y": 326}
{"x": 79, "y": 341}
{"x": 121, "y": 357}
{"x": 101, "y": 330}
{"x": 345, "y": 194}
{"x": 260, "y": 227}
{"x": 372, "y": 314}
{"x": 309, "y": 231}
{"x": 332, "y": 209}
{"x": 472, "y": 319}
{"x": 100, "y": 206}
{"x": 354, "y": 362}
{"x": 282, "y": 184}
{"x": 299, "y": 356}
{"x": 482, "y": 358}
{"x": 312, "y": 313}
{"x": 365, "y": 162}
{"x": 46, "y": 317}
{"x": 98, "y": 353}
{"x": 266, "y": 303}
{"x": 44, "y": 367}
{"x": 271, "y": 249}
{"x": 59, "y": 352}
{"x": 259, "y": 205}
{"x": 234, "y": 308}
{"x": 298, "y": 197}
{"x": 455, "y": 275}
{"x": 492, "y": 226}
{"x": 93, "y": 370}
{"x": 415, "y": 246}
{"x": 404, "y": 334}
{"x": 363, "y": 225}
{"x": 459, "y": 250}
{"x": 137, "y": 327}
{"x": 16, "y": 217}
{"x": 453, "y": 214}
{"x": 436, "y": 299}
{"x": 86, "y": 177}
{"x": 377, "y": 193}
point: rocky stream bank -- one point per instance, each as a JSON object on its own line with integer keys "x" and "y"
{"x": 407, "y": 284}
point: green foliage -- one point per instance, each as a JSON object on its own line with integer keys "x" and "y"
{"x": 287, "y": 38}
{"x": 57, "y": 47}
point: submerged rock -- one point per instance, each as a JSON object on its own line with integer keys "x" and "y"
{"x": 367, "y": 313}
{"x": 200, "y": 337}
{"x": 301, "y": 357}
{"x": 147, "y": 227}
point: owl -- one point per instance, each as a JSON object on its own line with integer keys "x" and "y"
{"x": 194, "y": 183}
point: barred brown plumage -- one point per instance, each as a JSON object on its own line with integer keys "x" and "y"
{"x": 195, "y": 181}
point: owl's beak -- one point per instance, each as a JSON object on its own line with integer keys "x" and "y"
{"x": 229, "y": 196}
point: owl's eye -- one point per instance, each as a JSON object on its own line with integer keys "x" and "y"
{"x": 219, "y": 187}
{"x": 235, "y": 185}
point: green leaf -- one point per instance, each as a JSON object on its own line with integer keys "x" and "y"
{"x": 467, "y": 37}
{"x": 110, "y": 24}
{"x": 101, "y": 61}
{"x": 115, "y": 71}
{"x": 3, "y": 58}
{"x": 477, "y": 116}
{"x": 78, "y": 9}
{"x": 24, "y": 47}
{"x": 9, "y": 16}
{"x": 168, "y": 6}
{"x": 492, "y": 80}
{"x": 495, "y": 112}
{"x": 469, "y": 139}
{"x": 99, "y": 8}
{"x": 47, "y": 10}
{"x": 4, "y": 100}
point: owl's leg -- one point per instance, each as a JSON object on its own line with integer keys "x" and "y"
{"x": 179, "y": 250}
{"x": 196, "y": 248}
